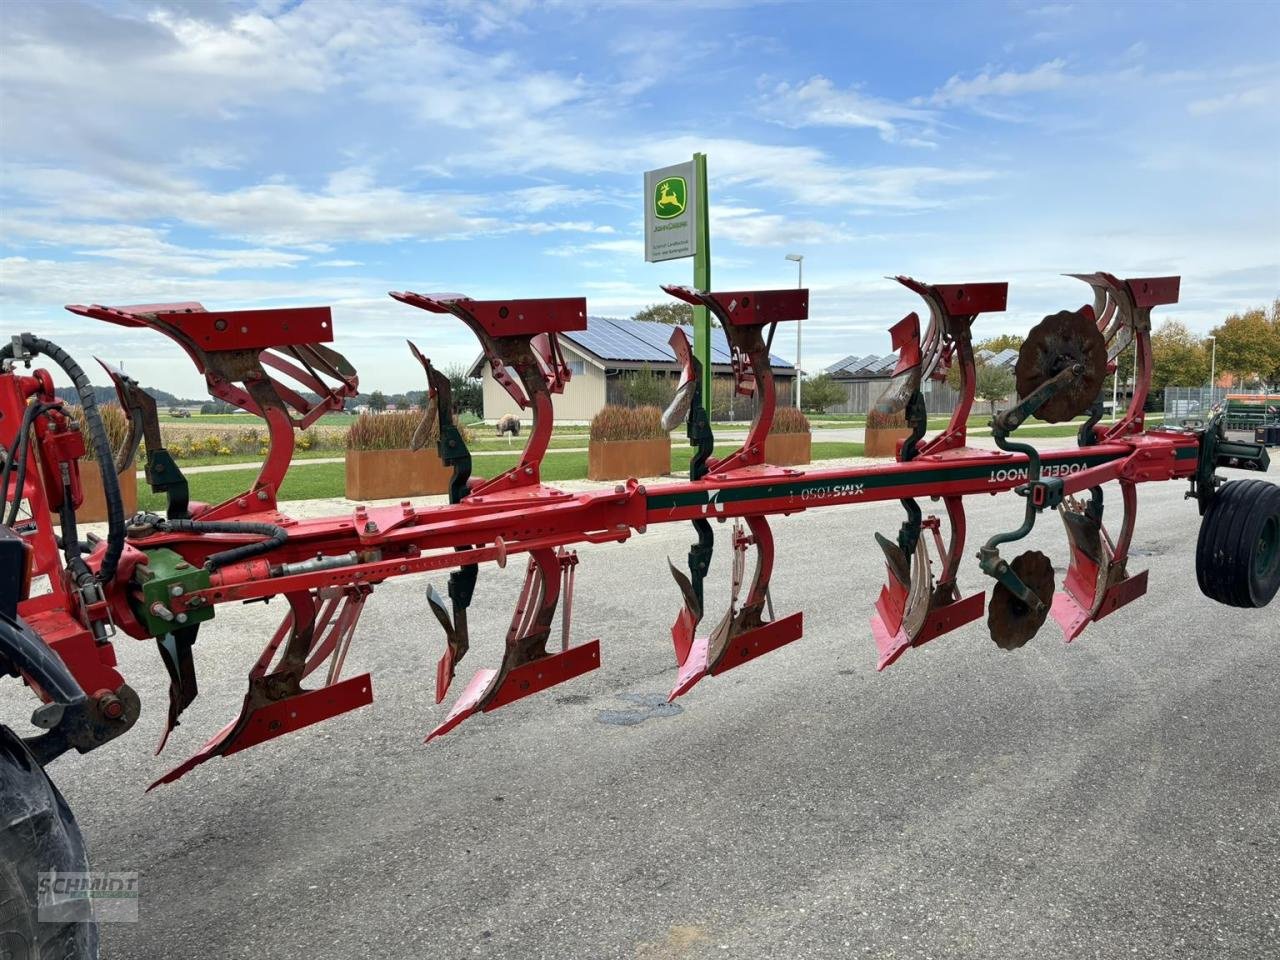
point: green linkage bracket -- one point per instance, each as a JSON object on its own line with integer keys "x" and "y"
{"x": 453, "y": 452}
{"x": 164, "y": 577}
{"x": 164, "y": 476}
{"x": 900, "y": 555}
{"x": 702, "y": 439}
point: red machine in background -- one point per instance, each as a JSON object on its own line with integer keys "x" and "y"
{"x": 160, "y": 577}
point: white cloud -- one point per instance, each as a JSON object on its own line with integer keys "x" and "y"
{"x": 1247, "y": 99}
{"x": 624, "y": 248}
{"x": 1053, "y": 10}
{"x": 818, "y": 102}
{"x": 142, "y": 248}
{"x": 351, "y": 206}
{"x": 990, "y": 84}
{"x": 752, "y": 227}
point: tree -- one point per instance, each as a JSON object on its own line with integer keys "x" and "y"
{"x": 993, "y": 382}
{"x": 1005, "y": 341}
{"x": 377, "y": 402}
{"x": 671, "y": 312}
{"x": 1249, "y": 344}
{"x": 821, "y": 392}
{"x": 468, "y": 396}
{"x": 1178, "y": 358}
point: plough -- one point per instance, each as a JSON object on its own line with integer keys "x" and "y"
{"x": 162, "y": 576}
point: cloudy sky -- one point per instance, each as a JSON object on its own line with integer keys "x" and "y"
{"x": 325, "y": 151}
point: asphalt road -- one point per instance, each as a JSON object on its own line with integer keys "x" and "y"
{"x": 1116, "y": 797}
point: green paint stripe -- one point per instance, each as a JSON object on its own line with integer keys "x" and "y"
{"x": 870, "y": 481}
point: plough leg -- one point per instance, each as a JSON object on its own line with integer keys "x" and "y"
{"x": 527, "y": 668}
{"x": 741, "y": 635}
{"x": 175, "y": 651}
{"x": 275, "y": 703}
{"x": 913, "y": 610}
{"x": 1097, "y": 582}
{"x": 686, "y": 407}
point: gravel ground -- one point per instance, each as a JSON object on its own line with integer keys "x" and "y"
{"x": 1116, "y": 797}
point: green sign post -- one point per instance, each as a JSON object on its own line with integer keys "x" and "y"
{"x": 702, "y": 277}
{"x": 677, "y": 226}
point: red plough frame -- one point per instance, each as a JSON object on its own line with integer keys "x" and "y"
{"x": 163, "y": 576}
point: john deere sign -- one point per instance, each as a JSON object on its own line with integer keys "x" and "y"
{"x": 669, "y": 198}
{"x": 670, "y": 203}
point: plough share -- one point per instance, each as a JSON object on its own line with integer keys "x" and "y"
{"x": 161, "y": 577}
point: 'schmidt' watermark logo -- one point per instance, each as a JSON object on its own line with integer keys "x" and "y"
{"x": 670, "y": 197}
{"x": 110, "y": 897}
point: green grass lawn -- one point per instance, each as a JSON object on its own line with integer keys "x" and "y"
{"x": 329, "y": 479}
{"x": 841, "y": 421}
{"x": 572, "y": 438}
{"x": 247, "y": 419}
{"x": 477, "y": 444}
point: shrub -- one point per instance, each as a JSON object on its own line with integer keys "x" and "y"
{"x": 727, "y": 403}
{"x": 113, "y": 419}
{"x": 627, "y": 423}
{"x": 645, "y": 388}
{"x": 248, "y": 441}
{"x": 879, "y": 420}
{"x": 393, "y": 430}
{"x": 789, "y": 420}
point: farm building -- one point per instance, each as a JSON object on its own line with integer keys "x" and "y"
{"x": 606, "y": 355}
{"x": 865, "y": 378}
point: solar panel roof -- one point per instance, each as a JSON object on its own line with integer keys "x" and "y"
{"x": 638, "y": 341}
{"x": 609, "y": 340}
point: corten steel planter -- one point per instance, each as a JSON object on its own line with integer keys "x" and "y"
{"x": 883, "y": 441}
{"x": 387, "y": 474}
{"x": 788, "y": 449}
{"x": 94, "y": 507}
{"x": 622, "y": 459}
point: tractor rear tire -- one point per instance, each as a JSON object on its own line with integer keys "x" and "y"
{"x": 38, "y": 834}
{"x": 1238, "y": 554}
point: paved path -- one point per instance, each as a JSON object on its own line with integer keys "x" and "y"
{"x": 1116, "y": 797}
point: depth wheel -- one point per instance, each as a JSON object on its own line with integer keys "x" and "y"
{"x": 1238, "y": 553}
{"x": 38, "y": 834}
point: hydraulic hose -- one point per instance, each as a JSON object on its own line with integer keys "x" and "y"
{"x": 101, "y": 447}
{"x": 274, "y": 537}
{"x": 18, "y": 454}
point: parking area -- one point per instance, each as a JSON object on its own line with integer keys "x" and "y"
{"x": 1116, "y": 797}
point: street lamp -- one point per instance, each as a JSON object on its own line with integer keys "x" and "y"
{"x": 798, "y": 260}
{"x": 1213, "y": 369}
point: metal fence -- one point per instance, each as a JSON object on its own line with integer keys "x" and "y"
{"x": 726, "y": 403}
{"x": 1191, "y": 402}
{"x": 861, "y": 396}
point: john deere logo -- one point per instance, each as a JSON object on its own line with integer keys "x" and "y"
{"x": 669, "y": 198}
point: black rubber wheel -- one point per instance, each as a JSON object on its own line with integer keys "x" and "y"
{"x": 38, "y": 834}
{"x": 1238, "y": 554}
